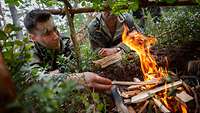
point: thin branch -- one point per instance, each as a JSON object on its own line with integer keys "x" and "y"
{"x": 106, "y": 7}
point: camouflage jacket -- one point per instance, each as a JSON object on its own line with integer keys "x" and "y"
{"x": 43, "y": 56}
{"x": 100, "y": 36}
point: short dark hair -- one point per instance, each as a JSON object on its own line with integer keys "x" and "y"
{"x": 35, "y": 16}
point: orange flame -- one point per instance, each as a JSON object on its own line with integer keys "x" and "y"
{"x": 141, "y": 44}
{"x": 184, "y": 109}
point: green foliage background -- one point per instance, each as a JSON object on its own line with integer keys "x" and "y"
{"x": 40, "y": 93}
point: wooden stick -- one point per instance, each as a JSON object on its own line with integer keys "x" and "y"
{"x": 148, "y": 82}
{"x": 130, "y": 109}
{"x": 108, "y": 60}
{"x": 121, "y": 108}
{"x": 184, "y": 96}
{"x": 129, "y": 94}
{"x": 147, "y": 94}
{"x": 127, "y": 101}
{"x": 161, "y": 106}
{"x": 133, "y": 87}
{"x": 143, "y": 107}
{"x": 136, "y": 79}
{"x": 187, "y": 88}
{"x": 106, "y": 7}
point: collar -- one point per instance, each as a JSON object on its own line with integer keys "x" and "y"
{"x": 103, "y": 26}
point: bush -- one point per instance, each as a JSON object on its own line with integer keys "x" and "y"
{"x": 176, "y": 26}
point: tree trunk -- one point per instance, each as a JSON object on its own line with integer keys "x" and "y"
{"x": 73, "y": 36}
{"x": 15, "y": 19}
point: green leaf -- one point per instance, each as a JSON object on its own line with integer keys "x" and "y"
{"x": 83, "y": 3}
{"x": 8, "y": 28}
{"x": 10, "y": 43}
{"x": 18, "y": 42}
{"x": 3, "y": 35}
{"x": 28, "y": 47}
{"x": 26, "y": 40}
{"x": 14, "y": 2}
{"x": 198, "y": 1}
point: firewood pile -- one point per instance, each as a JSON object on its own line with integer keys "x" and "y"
{"x": 155, "y": 95}
{"x": 161, "y": 90}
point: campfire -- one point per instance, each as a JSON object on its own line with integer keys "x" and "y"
{"x": 158, "y": 91}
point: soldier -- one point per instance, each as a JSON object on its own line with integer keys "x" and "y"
{"x": 105, "y": 32}
{"x": 48, "y": 44}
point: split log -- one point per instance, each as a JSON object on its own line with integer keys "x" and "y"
{"x": 147, "y": 94}
{"x": 184, "y": 96}
{"x": 121, "y": 108}
{"x": 161, "y": 106}
{"x": 148, "y": 82}
{"x": 108, "y": 60}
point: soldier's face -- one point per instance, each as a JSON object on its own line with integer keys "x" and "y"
{"x": 46, "y": 34}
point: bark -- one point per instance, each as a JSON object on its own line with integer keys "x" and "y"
{"x": 106, "y": 7}
{"x": 73, "y": 34}
{"x": 15, "y": 19}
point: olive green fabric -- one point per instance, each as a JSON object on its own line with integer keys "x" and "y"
{"x": 45, "y": 57}
{"x": 100, "y": 37}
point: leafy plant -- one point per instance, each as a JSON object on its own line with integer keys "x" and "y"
{"x": 176, "y": 26}
{"x": 15, "y": 52}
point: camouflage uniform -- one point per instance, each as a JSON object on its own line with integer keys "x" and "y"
{"x": 100, "y": 36}
{"x": 44, "y": 56}
{"x": 47, "y": 57}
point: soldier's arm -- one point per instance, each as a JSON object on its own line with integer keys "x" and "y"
{"x": 96, "y": 38}
{"x": 91, "y": 80}
{"x": 131, "y": 24}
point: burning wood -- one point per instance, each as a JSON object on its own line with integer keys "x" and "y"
{"x": 147, "y": 94}
{"x": 153, "y": 76}
{"x": 161, "y": 106}
{"x": 143, "y": 107}
{"x": 134, "y": 87}
{"x": 184, "y": 96}
{"x": 131, "y": 110}
{"x": 148, "y": 82}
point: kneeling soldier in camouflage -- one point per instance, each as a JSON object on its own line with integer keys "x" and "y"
{"x": 49, "y": 44}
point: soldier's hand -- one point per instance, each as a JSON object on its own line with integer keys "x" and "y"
{"x": 107, "y": 51}
{"x": 97, "y": 82}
